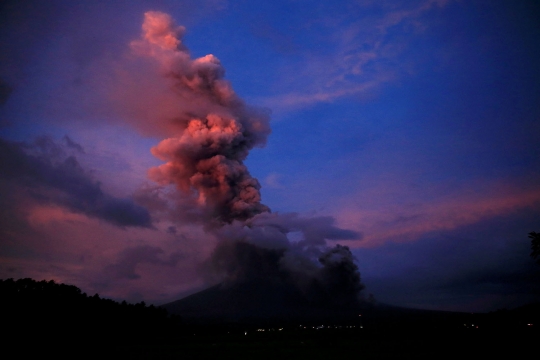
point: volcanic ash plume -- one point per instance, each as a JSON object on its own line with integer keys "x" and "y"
{"x": 214, "y": 133}
{"x": 321, "y": 275}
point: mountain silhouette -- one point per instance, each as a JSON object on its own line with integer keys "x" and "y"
{"x": 258, "y": 301}
{"x": 276, "y": 303}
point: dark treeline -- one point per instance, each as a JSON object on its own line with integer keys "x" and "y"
{"x": 48, "y": 312}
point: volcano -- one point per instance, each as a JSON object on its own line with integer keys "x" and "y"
{"x": 266, "y": 303}
{"x": 259, "y": 302}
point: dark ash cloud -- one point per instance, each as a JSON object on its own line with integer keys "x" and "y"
{"x": 50, "y": 175}
{"x": 72, "y": 144}
{"x": 324, "y": 275}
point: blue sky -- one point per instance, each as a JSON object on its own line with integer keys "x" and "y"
{"x": 413, "y": 123}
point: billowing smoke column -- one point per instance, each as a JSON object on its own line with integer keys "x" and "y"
{"x": 215, "y": 133}
{"x": 204, "y": 159}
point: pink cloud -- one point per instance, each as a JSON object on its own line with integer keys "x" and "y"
{"x": 45, "y": 215}
{"x": 204, "y": 153}
{"x": 382, "y": 217}
{"x": 50, "y": 242}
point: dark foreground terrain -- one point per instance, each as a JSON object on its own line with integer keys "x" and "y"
{"x": 355, "y": 344}
{"x": 45, "y": 318}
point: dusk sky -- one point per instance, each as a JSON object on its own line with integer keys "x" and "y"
{"x": 408, "y": 131}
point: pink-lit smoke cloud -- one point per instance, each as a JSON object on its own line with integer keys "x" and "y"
{"x": 214, "y": 133}
{"x": 210, "y": 136}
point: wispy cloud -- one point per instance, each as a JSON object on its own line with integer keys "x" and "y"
{"x": 418, "y": 215}
{"x": 45, "y": 170}
{"x": 363, "y": 55}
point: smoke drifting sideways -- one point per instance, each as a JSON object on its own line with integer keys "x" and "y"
{"x": 204, "y": 159}
{"x": 261, "y": 250}
{"x": 50, "y": 174}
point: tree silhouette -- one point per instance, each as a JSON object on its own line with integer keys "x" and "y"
{"x": 44, "y": 311}
{"x": 535, "y": 245}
